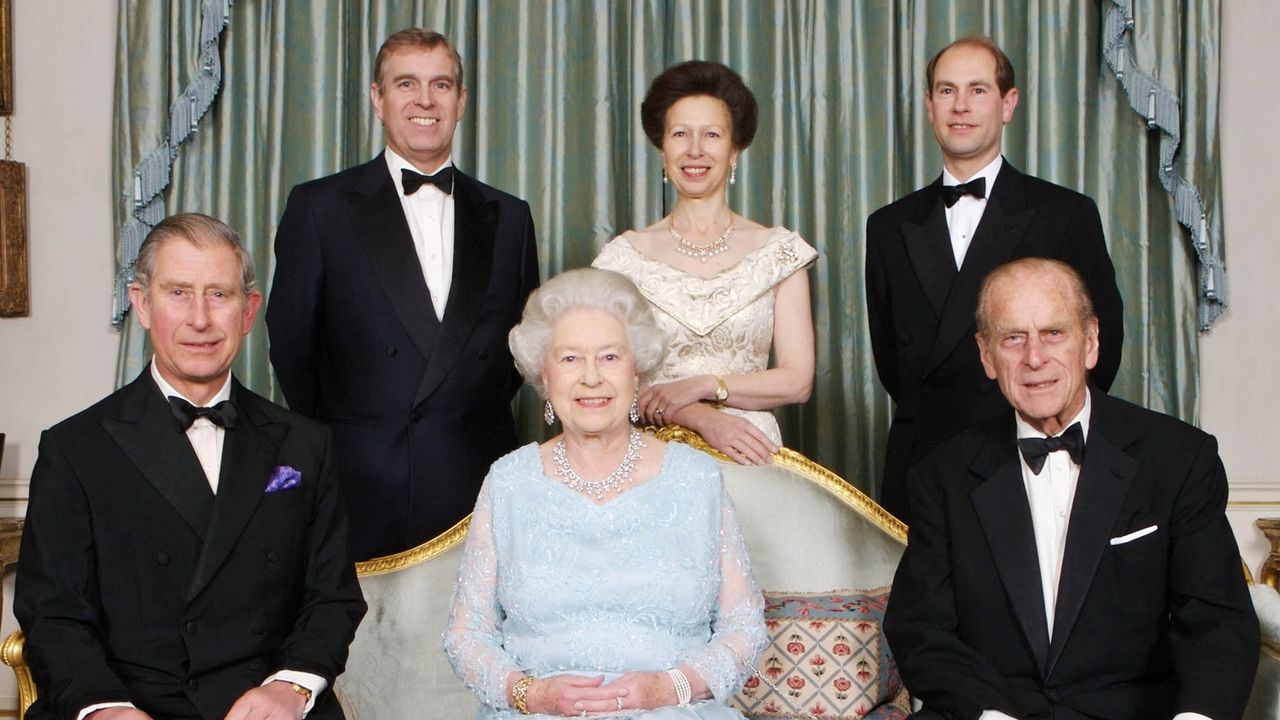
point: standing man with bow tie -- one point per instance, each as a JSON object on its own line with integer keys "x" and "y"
{"x": 185, "y": 550}
{"x": 927, "y": 252}
{"x": 1070, "y": 559}
{"x": 396, "y": 284}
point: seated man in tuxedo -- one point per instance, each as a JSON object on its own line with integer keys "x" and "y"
{"x": 185, "y": 550}
{"x": 1071, "y": 559}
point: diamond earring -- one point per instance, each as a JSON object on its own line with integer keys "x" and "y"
{"x": 549, "y": 414}
{"x": 733, "y": 173}
{"x": 635, "y": 410}
{"x": 664, "y": 176}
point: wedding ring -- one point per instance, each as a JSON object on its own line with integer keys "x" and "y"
{"x": 619, "y": 702}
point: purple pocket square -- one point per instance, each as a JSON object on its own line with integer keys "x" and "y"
{"x": 283, "y": 478}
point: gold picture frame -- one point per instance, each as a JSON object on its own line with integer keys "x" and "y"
{"x": 6, "y": 58}
{"x": 15, "y": 293}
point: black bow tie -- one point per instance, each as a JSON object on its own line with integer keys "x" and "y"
{"x": 411, "y": 180}
{"x": 223, "y": 414}
{"x": 951, "y": 194}
{"x": 1035, "y": 450}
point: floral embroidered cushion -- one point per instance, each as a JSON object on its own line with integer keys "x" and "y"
{"x": 826, "y": 658}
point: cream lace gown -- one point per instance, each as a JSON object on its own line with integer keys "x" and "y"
{"x": 553, "y": 583}
{"x": 721, "y": 325}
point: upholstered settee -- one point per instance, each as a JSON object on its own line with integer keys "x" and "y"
{"x": 814, "y": 539}
{"x": 809, "y": 532}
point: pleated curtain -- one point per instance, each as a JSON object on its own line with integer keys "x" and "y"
{"x": 553, "y": 117}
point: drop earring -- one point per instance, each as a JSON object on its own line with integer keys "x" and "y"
{"x": 635, "y": 410}
{"x": 733, "y": 173}
{"x": 549, "y": 414}
{"x": 664, "y": 176}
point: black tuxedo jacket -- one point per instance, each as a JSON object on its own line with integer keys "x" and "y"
{"x": 1143, "y": 628}
{"x": 136, "y": 583}
{"x": 420, "y": 407}
{"x": 920, "y": 308}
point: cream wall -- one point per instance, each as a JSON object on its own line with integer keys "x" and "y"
{"x": 61, "y": 358}
{"x": 1239, "y": 379}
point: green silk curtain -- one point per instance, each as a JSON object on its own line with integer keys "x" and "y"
{"x": 553, "y": 117}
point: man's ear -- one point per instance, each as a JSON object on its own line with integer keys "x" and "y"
{"x": 988, "y": 363}
{"x": 141, "y": 308}
{"x": 375, "y": 97}
{"x": 1091, "y": 342}
{"x": 251, "y": 306}
{"x": 1009, "y": 101}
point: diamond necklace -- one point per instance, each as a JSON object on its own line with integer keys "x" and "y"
{"x": 599, "y": 488}
{"x": 701, "y": 252}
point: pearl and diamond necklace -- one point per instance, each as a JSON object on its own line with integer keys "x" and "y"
{"x": 598, "y": 488}
{"x": 701, "y": 252}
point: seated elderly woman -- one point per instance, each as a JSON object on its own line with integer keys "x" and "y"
{"x": 604, "y": 572}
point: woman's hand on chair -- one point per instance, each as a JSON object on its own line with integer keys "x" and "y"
{"x": 732, "y": 435}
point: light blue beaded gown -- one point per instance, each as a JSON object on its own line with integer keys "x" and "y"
{"x": 553, "y": 583}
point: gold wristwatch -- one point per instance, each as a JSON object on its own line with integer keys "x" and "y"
{"x": 304, "y": 692}
{"x": 722, "y": 390}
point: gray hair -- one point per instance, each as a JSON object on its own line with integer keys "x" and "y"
{"x": 199, "y": 230}
{"x": 1031, "y": 265}
{"x": 586, "y": 288}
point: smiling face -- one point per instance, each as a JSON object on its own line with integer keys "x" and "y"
{"x": 1038, "y": 347}
{"x": 419, "y": 102}
{"x": 589, "y": 373}
{"x": 196, "y": 313}
{"x": 697, "y": 147}
{"x": 966, "y": 109}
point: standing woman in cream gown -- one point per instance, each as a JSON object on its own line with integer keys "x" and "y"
{"x": 725, "y": 288}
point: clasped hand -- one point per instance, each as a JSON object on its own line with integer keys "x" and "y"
{"x": 670, "y": 398}
{"x": 575, "y": 694}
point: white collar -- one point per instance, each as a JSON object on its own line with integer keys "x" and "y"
{"x": 989, "y": 172}
{"x": 1026, "y": 431}
{"x": 168, "y": 390}
{"x": 395, "y": 164}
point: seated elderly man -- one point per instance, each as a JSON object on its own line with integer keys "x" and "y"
{"x": 185, "y": 551}
{"x": 1073, "y": 559}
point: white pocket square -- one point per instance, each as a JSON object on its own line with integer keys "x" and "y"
{"x": 1133, "y": 535}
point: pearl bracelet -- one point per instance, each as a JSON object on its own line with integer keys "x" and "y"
{"x": 684, "y": 693}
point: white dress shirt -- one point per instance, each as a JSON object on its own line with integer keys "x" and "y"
{"x": 207, "y": 439}
{"x": 1050, "y": 495}
{"x": 964, "y": 216}
{"x": 429, "y": 212}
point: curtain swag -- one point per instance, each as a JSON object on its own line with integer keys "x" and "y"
{"x": 1162, "y": 109}
{"x": 152, "y": 174}
{"x": 552, "y": 116}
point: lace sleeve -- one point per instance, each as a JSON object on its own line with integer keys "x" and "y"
{"x": 473, "y": 638}
{"x": 738, "y": 632}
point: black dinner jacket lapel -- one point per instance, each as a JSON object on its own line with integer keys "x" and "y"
{"x": 1105, "y": 478}
{"x": 146, "y": 432}
{"x": 475, "y": 225}
{"x": 928, "y": 244}
{"x": 248, "y": 457}
{"x": 382, "y": 230}
{"x": 1005, "y": 515}
{"x": 1003, "y": 225}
